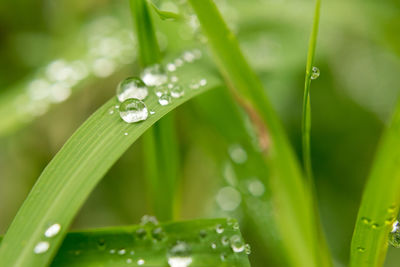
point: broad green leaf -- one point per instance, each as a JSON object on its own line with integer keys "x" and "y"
{"x": 296, "y": 219}
{"x": 380, "y": 202}
{"x": 69, "y": 178}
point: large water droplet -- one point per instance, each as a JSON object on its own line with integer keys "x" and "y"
{"x": 237, "y": 244}
{"x": 394, "y": 235}
{"x": 132, "y": 87}
{"x": 53, "y": 230}
{"x": 179, "y": 261}
{"x": 179, "y": 255}
{"x": 41, "y": 247}
{"x": 133, "y": 110}
{"x": 154, "y": 76}
{"x": 315, "y": 72}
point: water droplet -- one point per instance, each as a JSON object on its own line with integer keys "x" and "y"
{"x": 112, "y": 251}
{"x": 256, "y": 188}
{"x": 158, "y": 234}
{"x": 41, "y": 247}
{"x": 315, "y": 72}
{"x": 111, "y": 111}
{"x": 53, "y": 230}
{"x": 164, "y": 99}
{"x": 132, "y": 252}
{"x": 126, "y": 134}
{"x": 122, "y": 251}
{"x": 177, "y": 91}
{"x": 161, "y": 90}
{"x": 235, "y": 226}
{"x": 228, "y": 198}
{"x": 219, "y": 229}
{"x": 179, "y": 261}
{"x": 128, "y": 260}
{"x": 225, "y": 240}
{"x": 141, "y": 233}
{"x": 152, "y": 112}
{"x": 394, "y": 235}
{"x": 365, "y": 220}
{"x": 180, "y": 248}
{"x": 140, "y": 261}
{"x": 149, "y": 220}
{"x": 237, "y": 154}
{"x": 203, "y": 233}
{"x": 247, "y": 249}
{"x": 132, "y": 87}
{"x": 237, "y": 244}
{"x": 360, "y": 249}
{"x": 203, "y": 82}
{"x": 154, "y": 75}
{"x": 223, "y": 257}
{"x": 188, "y": 56}
{"x": 171, "y": 67}
{"x": 178, "y": 62}
{"x": 213, "y": 245}
{"x": 375, "y": 226}
{"x": 133, "y": 110}
{"x": 174, "y": 79}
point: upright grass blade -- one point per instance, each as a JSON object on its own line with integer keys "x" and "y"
{"x": 306, "y": 122}
{"x": 69, "y": 178}
{"x": 293, "y": 201}
{"x": 380, "y": 202}
{"x": 160, "y": 145}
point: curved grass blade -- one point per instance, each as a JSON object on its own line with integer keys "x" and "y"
{"x": 76, "y": 169}
{"x": 292, "y": 198}
{"x": 165, "y": 15}
{"x": 380, "y": 202}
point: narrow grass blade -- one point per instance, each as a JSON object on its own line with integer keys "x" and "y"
{"x": 292, "y": 199}
{"x": 380, "y": 202}
{"x": 76, "y": 169}
{"x": 161, "y": 149}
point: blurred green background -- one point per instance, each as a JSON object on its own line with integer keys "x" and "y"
{"x": 357, "y": 52}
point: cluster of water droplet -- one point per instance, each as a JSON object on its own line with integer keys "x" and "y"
{"x": 315, "y": 72}
{"x": 44, "y": 245}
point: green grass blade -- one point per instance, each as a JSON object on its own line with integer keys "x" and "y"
{"x": 380, "y": 201}
{"x": 306, "y": 122}
{"x": 69, "y": 178}
{"x": 292, "y": 198}
{"x": 122, "y": 246}
{"x": 160, "y": 148}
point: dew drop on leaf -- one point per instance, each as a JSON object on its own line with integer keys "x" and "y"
{"x": 133, "y": 110}
{"x": 154, "y": 75}
{"x": 219, "y": 229}
{"x": 177, "y": 91}
{"x": 132, "y": 87}
{"x": 164, "y": 99}
{"x": 41, "y": 247}
{"x": 53, "y": 230}
{"x": 237, "y": 244}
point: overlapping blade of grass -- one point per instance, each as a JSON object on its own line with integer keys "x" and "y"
{"x": 380, "y": 202}
{"x": 160, "y": 144}
{"x": 76, "y": 169}
{"x": 122, "y": 246}
{"x": 292, "y": 199}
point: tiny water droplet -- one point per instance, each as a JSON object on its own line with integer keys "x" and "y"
{"x": 112, "y": 251}
{"x": 152, "y": 112}
{"x": 164, "y": 99}
{"x": 149, "y": 220}
{"x": 133, "y": 110}
{"x": 154, "y": 75}
{"x": 219, "y": 229}
{"x": 235, "y": 226}
{"x": 125, "y": 134}
{"x": 237, "y": 154}
{"x": 140, "y": 261}
{"x": 225, "y": 240}
{"x": 375, "y": 226}
{"x": 53, "y": 230}
{"x": 203, "y": 233}
{"x": 178, "y": 62}
{"x": 315, "y": 72}
{"x": 223, "y": 257}
{"x": 203, "y": 82}
{"x": 365, "y": 220}
{"x": 177, "y": 91}
{"x": 247, "y": 249}
{"x": 171, "y": 67}
{"x": 41, "y": 247}
{"x": 213, "y": 245}
{"x": 237, "y": 244}
{"x": 228, "y": 198}
{"x": 132, "y": 87}
{"x": 360, "y": 249}
{"x": 158, "y": 234}
{"x": 141, "y": 233}
{"x": 188, "y": 56}
{"x": 180, "y": 248}
{"x": 132, "y": 252}
{"x": 111, "y": 111}
{"x": 122, "y": 251}
{"x": 128, "y": 260}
